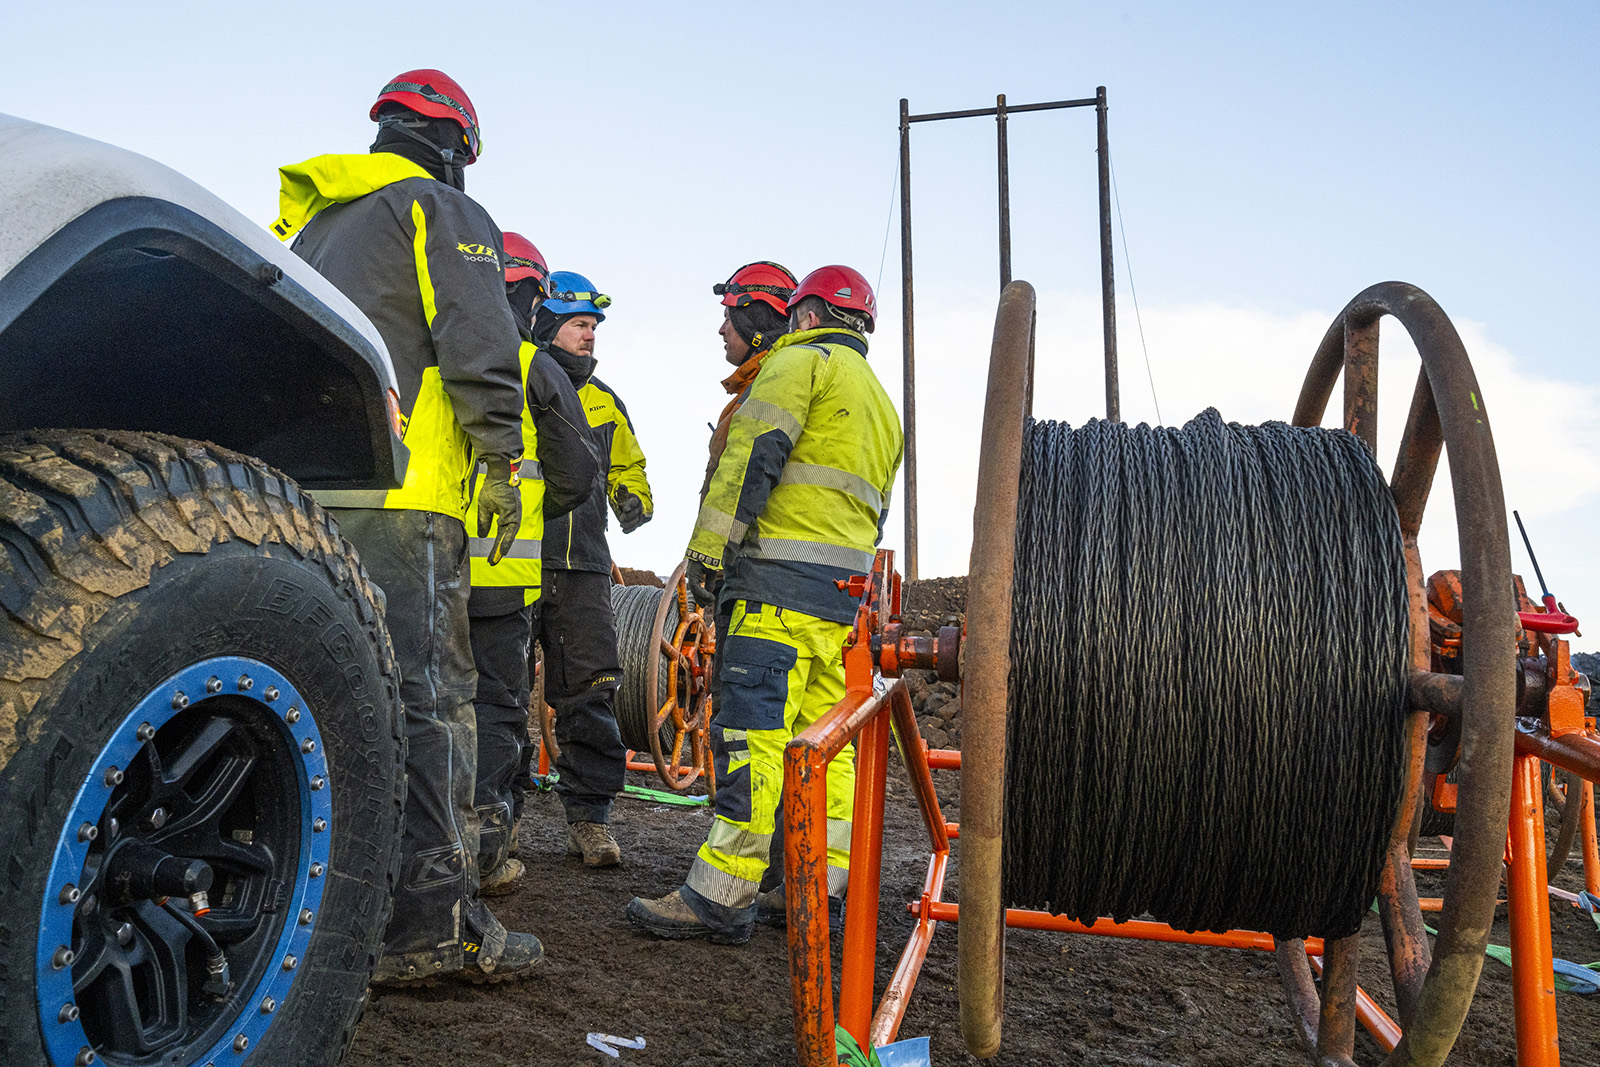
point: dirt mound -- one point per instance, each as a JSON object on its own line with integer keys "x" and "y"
{"x": 637, "y": 577}
{"x": 927, "y": 604}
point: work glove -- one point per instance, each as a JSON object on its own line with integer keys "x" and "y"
{"x": 630, "y": 510}
{"x": 500, "y": 504}
{"x": 703, "y": 582}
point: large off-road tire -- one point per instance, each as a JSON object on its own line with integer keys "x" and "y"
{"x": 193, "y": 667}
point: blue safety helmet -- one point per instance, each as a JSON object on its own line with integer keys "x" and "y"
{"x": 573, "y": 294}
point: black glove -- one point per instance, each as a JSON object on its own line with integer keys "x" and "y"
{"x": 703, "y": 582}
{"x": 630, "y": 510}
{"x": 500, "y": 505}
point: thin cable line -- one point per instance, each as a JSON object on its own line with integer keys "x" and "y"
{"x": 888, "y": 225}
{"x": 1132, "y": 291}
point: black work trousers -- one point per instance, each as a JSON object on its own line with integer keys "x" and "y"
{"x": 419, "y": 560}
{"x": 574, "y": 625}
{"x": 500, "y": 648}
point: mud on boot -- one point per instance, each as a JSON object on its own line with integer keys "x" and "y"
{"x": 520, "y": 959}
{"x": 772, "y": 909}
{"x": 593, "y": 841}
{"x": 672, "y": 918}
{"x": 506, "y": 878}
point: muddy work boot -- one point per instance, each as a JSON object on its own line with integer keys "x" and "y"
{"x": 593, "y": 841}
{"x": 522, "y": 955}
{"x": 519, "y": 959}
{"x": 672, "y": 918}
{"x": 772, "y": 909}
{"x": 506, "y": 878}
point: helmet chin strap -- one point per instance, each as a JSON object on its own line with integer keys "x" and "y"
{"x": 453, "y": 172}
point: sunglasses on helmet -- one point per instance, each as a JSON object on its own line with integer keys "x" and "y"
{"x": 599, "y": 300}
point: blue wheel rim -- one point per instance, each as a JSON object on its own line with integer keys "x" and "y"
{"x": 253, "y": 1012}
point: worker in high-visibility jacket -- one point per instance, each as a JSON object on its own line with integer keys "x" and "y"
{"x": 558, "y": 471}
{"x": 394, "y": 230}
{"x": 797, "y": 503}
{"x": 574, "y": 623}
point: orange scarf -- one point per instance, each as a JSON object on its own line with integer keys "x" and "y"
{"x": 735, "y": 383}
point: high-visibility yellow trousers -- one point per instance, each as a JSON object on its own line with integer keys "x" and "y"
{"x": 781, "y": 670}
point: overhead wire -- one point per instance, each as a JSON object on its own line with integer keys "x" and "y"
{"x": 1132, "y": 289}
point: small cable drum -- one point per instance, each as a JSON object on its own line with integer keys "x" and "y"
{"x": 1208, "y": 685}
{"x": 638, "y": 639}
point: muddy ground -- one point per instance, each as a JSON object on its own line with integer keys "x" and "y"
{"x": 1069, "y": 998}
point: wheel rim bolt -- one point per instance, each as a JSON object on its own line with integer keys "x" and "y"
{"x": 113, "y": 777}
{"x": 306, "y": 916}
{"x": 145, "y": 731}
{"x": 85, "y": 1056}
{"x": 124, "y": 934}
{"x": 67, "y": 1014}
{"x": 246, "y": 683}
{"x": 69, "y": 894}
{"x": 316, "y": 870}
{"x": 319, "y": 824}
{"x": 268, "y": 1006}
{"x": 157, "y": 819}
{"x": 213, "y": 684}
{"x": 308, "y": 746}
{"x": 63, "y": 957}
{"x": 113, "y": 827}
{"x": 180, "y": 701}
{"x": 271, "y": 693}
{"x": 241, "y": 1043}
{"x": 318, "y": 782}
{"x": 290, "y": 963}
{"x": 292, "y": 715}
{"x": 88, "y": 832}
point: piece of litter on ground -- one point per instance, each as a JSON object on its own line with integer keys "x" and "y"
{"x": 609, "y": 1043}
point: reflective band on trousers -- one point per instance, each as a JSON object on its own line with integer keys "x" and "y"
{"x": 772, "y": 415}
{"x": 809, "y": 552}
{"x": 349, "y": 498}
{"x": 832, "y": 478}
{"x": 521, "y": 548}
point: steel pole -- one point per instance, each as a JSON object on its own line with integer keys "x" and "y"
{"x": 1108, "y": 296}
{"x": 1005, "y": 190}
{"x": 908, "y": 369}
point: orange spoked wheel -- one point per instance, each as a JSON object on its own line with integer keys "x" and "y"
{"x": 668, "y": 651}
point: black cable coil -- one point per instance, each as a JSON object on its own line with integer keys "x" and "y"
{"x": 637, "y": 640}
{"x": 1208, "y": 680}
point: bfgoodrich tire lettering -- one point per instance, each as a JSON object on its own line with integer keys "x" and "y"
{"x": 126, "y": 560}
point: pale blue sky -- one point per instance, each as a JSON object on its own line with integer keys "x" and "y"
{"x": 1272, "y": 160}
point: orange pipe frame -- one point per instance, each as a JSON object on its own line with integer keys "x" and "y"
{"x": 805, "y": 844}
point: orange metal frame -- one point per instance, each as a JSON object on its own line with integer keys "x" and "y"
{"x": 870, "y": 716}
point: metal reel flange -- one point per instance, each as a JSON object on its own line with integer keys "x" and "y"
{"x": 1434, "y": 984}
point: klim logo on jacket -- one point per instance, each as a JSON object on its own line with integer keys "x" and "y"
{"x": 478, "y": 253}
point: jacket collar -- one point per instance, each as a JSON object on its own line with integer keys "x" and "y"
{"x": 579, "y": 368}
{"x": 304, "y": 189}
{"x": 827, "y": 335}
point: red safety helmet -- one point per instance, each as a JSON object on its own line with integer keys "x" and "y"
{"x": 435, "y": 94}
{"x": 523, "y": 260}
{"x": 769, "y": 283}
{"x": 840, "y": 287}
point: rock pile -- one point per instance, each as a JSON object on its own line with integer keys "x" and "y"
{"x": 938, "y": 706}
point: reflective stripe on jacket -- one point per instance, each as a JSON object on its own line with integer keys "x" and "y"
{"x": 421, "y": 260}
{"x": 558, "y": 470}
{"x": 578, "y": 541}
{"x": 799, "y": 498}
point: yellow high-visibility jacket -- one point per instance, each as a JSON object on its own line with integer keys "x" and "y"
{"x": 558, "y": 472}
{"x": 801, "y": 493}
{"x": 420, "y": 259}
{"x": 577, "y": 542}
